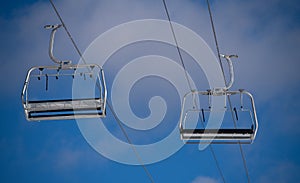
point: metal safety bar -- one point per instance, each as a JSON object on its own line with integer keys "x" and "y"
{"x": 54, "y": 109}
{"x": 232, "y": 135}
{"x": 214, "y": 135}
{"x": 36, "y": 110}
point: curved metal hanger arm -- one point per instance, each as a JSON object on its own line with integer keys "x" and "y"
{"x": 231, "y": 72}
{"x": 51, "y": 43}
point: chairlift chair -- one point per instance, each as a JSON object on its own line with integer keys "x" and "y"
{"x": 236, "y": 134}
{"x": 70, "y": 108}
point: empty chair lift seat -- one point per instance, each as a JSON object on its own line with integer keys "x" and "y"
{"x": 64, "y": 109}
{"x": 223, "y": 135}
{"x": 60, "y": 109}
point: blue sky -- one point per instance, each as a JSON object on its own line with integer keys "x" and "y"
{"x": 265, "y": 35}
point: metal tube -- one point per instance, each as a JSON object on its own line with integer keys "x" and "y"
{"x": 54, "y": 29}
{"x": 254, "y": 112}
{"x": 183, "y": 104}
{"x": 182, "y": 111}
{"x": 104, "y": 88}
{"x": 231, "y": 72}
{"x": 25, "y": 87}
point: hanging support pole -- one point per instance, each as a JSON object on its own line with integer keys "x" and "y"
{"x": 219, "y": 91}
{"x": 231, "y": 72}
{"x": 51, "y": 43}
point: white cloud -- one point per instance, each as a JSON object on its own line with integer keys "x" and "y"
{"x": 68, "y": 158}
{"x": 267, "y": 46}
{"x": 203, "y": 179}
{"x": 267, "y": 43}
{"x": 63, "y": 152}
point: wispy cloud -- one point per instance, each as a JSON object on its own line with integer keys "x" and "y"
{"x": 66, "y": 154}
{"x": 203, "y": 179}
{"x": 267, "y": 44}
